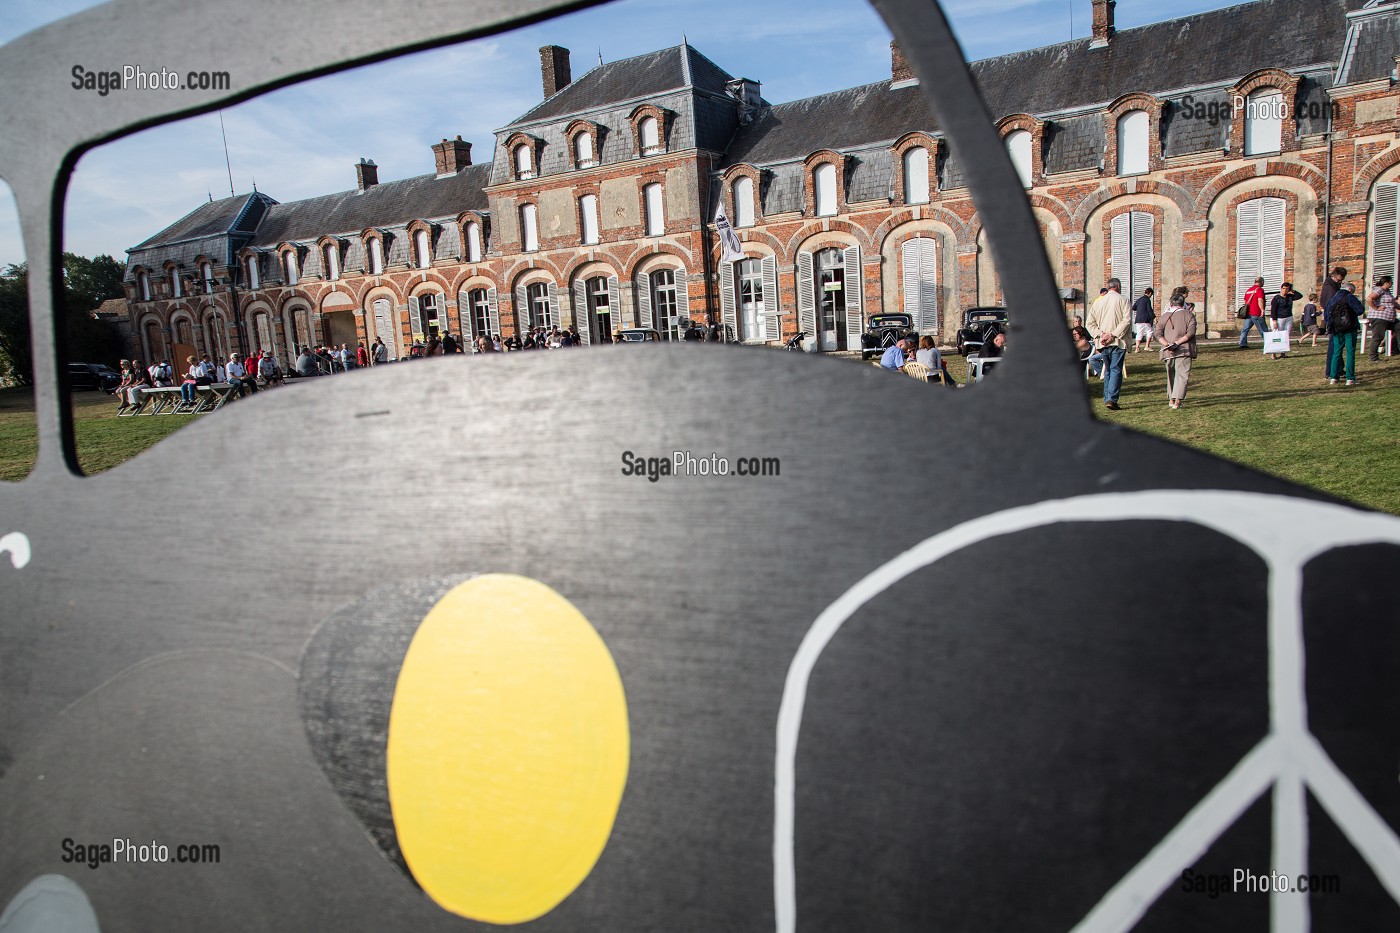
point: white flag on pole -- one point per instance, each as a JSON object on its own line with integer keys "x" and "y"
{"x": 729, "y": 240}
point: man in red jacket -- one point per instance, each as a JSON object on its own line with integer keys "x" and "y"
{"x": 1254, "y": 301}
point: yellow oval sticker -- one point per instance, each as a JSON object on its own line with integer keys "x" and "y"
{"x": 508, "y": 749}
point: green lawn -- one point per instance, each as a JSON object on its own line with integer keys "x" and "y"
{"x": 1279, "y": 417}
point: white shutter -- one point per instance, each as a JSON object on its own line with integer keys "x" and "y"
{"x": 1141, "y": 262}
{"x": 614, "y": 307}
{"x": 855, "y": 297}
{"x": 771, "y": 311}
{"x": 928, "y": 286}
{"x": 581, "y": 310}
{"x": 1271, "y": 235}
{"x": 1120, "y": 249}
{"x": 643, "y": 295}
{"x": 553, "y": 293}
{"x": 493, "y": 303}
{"x": 1384, "y": 241}
{"x": 1247, "y": 217}
{"x": 522, "y": 312}
{"x": 682, "y": 302}
{"x": 728, "y": 299}
{"x": 415, "y": 318}
{"x": 806, "y": 300}
{"x": 909, "y": 274}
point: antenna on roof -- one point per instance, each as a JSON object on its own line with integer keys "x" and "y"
{"x": 227, "y": 163}
{"x": 1071, "y": 20}
{"x": 211, "y": 197}
{"x": 255, "y": 184}
{"x": 600, "y": 56}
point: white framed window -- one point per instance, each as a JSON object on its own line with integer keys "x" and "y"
{"x": 480, "y": 302}
{"x": 1018, "y": 145}
{"x": 529, "y": 229}
{"x": 916, "y": 175}
{"x": 206, "y": 275}
{"x": 655, "y": 210}
{"x": 175, "y": 290}
{"x": 423, "y": 248}
{"x": 143, "y": 284}
{"x": 376, "y": 256}
{"x": 650, "y": 132}
{"x": 538, "y": 304}
{"x": 1130, "y": 247}
{"x": 1263, "y": 121}
{"x": 583, "y": 150}
{"x": 254, "y": 280}
{"x": 749, "y": 282}
{"x": 289, "y": 259}
{"x": 473, "y": 231}
{"x": 743, "y": 202}
{"x": 1259, "y": 236}
{"x": 524, "y": 162}
{"x": 1133, "y": 129}
{"x": 432, "y": 314}
{"x": 588, "y": 218}
{"x": 330, "y": 261}
{"x": 664, "y": 303}
{"x": 824, "y": 185}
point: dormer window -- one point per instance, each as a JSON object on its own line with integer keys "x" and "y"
{"x": 649, "y": 130}
{"x": 175, "y": 290}
{"x": 1132, "y": 142}
{"x": 206, "y": 275}
{"x": 143, "y": 283}
{"x": 330, "y": 261}
{"x": 743, "y": 201}
{"x": 473, "y": 240}
{"x": 524, "y": 162}
{"x": 916, "y": 175}
{"x": 289, "y": 260}
{"x": 583, "y": 150}
{"x": 1263, "y": 121}
{"x": 376, "y": 256}
{"x": 1018, "y": 145}
{"x": 422, "y": 249}
{"x": 824, "y": 189}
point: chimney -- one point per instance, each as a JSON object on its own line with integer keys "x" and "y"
{"x": 1103, "y": 24}
{"x": 367, "y": 174}
{"x": 554, "y": 69}
{"x": 899, "y": 66}
{"x": 451, "y": 156}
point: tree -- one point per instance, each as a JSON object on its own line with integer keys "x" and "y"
{"x": 86, "y": 284}
{"x": 15, "y": 362}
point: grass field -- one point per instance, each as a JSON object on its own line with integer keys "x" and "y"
{"x": 1278, "y": 417}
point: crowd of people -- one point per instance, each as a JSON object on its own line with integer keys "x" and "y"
{"x": 1334, "y": 311}
{"x": 242, "y": 374}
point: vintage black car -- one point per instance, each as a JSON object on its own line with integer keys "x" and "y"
{"x": 884, "y": 331}
{"x": 639, "y": 335}
{"x": 92, "y": 376}
{"x": 980, "y": 325}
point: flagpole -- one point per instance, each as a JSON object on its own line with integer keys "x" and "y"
{"x": 227, "y": 163}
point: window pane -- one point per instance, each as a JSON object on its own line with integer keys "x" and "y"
{"x": 743, "y": 202}
{"x": 529, "y": 233}
{"x": 916, "y": 176}
{"x": 583, "y": 150}
{"x": 825, "y": 177}
{"x": 1132, "y": 143}
{"x": 1018, "y": 144}
{"x": 651, "y": 136}
{"x": 588, "y": 211}
{"x": 1263, "y": 121}
{"x": 656, "y": 221}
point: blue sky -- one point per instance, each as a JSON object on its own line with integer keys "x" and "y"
{"x": 304, "y": 140}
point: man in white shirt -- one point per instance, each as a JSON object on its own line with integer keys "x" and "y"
{"x": 238, "y": 377}
{"x": 1110, "y": 319}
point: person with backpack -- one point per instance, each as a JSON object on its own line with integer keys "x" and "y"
{"x": 1343, "y": 321}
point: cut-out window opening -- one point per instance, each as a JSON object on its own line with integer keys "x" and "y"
{"x": 824, "y": 183}
{"x": 330, "y": 261}
{"x": 473, "y": 237}
{"x": 655, "y": 211}
{"x": 916, "y": 176}
{"x": 583, "y": 150}
{"x": 524, "y": 162}
{"x": 1018, "y": 145}
{"x": 743, "y": 202}
{"x": 1263, "y": 121}
{"x": 529, "y": 230}
{"x": 1132, "y": 142}
{"x": 650, "y": 132}
{"x": 423, "y": 249}
{"x": 588, "y": 218}
{"x": 376, "y": 256}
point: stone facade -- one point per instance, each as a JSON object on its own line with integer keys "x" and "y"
{"x": 848, "y": 204}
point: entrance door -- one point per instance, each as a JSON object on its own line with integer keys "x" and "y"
{"x": 831, "y": 300}
{"x": 599, "y": 298}
{"x": 341, "y": 327}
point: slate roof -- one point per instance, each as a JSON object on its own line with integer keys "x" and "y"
{"x": 627, "y": 78}
{"x": 1373, "y": 54}
{"x": 386, "y": 204}
{"x": 216, "y": 218}
{"x": 1217, "y": 46}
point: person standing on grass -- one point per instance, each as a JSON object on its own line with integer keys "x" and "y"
{"x": 1176, "y": 332}
{"x": 1310, "y": 314}
{"x": 1254, "y": 303}
{"x": 1281, "y": 311}
{"x": 1382, "y": 317}
{"x": 1343, "y": 321}
{"x": 1330, "y": 286}
{"x": 1143, "y": 319}
{"x": 1109, "y": 321}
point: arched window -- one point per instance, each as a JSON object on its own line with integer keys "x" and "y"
{"x": 824, "y": 183}
{"x": 143, "y": 284}
{"x": 748, "y": 278}
{"x": 254, "y": 281}
{"x": 290, "y": 259}
{"x": 598, "y": 299}
{"x": 524, "y": 162}
{"x": 583, "y": 150}
{"x": 330, "y": 261}
{"x": 473, "y": 231}
{"x": 206, "y": 275}
{"x": 650, "y": 132}
{"x": 155, "y": 342}
{"x": 479, "y": 301}
{"x": 743, "y": 201}
{"x": 1263, "y": 121}
{"x": 529, "y": 230}
{"x": 175, "y": 290}
{"x": 665, "y": 305}
{"x": 1018, "y": 144}
{"x": 264, "y": 332}
{"x": 588, "y": 218}
{"x": 656, "y": 215}
{"x": 423, "y": 249}
{"x": 376, "y": 256}
{"x": 1132, "y": 142}
{"x": 916, "y": 175}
